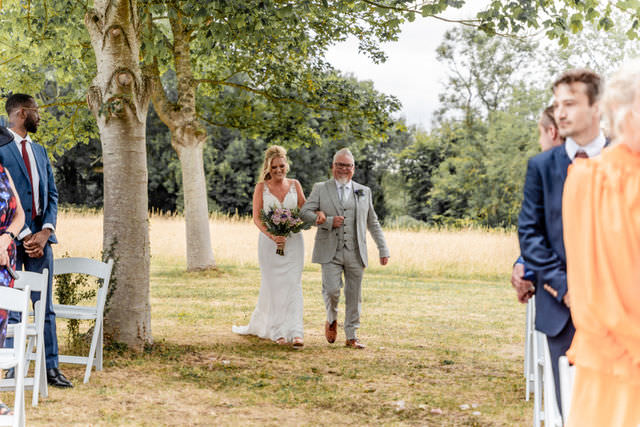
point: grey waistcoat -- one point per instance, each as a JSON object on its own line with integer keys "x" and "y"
{"x": 347, "y": 233}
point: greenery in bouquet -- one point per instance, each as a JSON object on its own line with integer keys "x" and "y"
{"x": 283, "y": 221}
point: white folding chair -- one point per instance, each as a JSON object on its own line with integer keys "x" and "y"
{"x": 529, "y": 355}
{"x": 95, "y": 312}
{"x": 538, "y": 344}
{"x": 37, "y": 282}
{"x": 552, "y": 417}
{"x": 15, "y": 300}
{"x": 567, "y": 374}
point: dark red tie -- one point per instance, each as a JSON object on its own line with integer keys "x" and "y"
{"x": 581, "y": 154}
{"x": 27, "y": 163}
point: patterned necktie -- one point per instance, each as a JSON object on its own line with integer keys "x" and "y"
{"x": 581, "y": 154}
{"x": 27, "y": 164}
{"x": 341, "y": 193}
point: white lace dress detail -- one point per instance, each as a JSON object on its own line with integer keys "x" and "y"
{"x": 278, "y": 313}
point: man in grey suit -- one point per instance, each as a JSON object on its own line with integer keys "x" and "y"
{"x": 341, "y": 245}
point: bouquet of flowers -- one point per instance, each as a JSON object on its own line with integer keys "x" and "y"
{"x": 282, "y": 222}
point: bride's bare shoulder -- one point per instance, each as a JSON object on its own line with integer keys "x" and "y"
{"x": 260, "y": 186}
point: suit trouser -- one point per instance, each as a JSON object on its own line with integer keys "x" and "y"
{"x": 348, "y": 262}
{"x": 50, "y": 334}
{"x": 558, "y": 346}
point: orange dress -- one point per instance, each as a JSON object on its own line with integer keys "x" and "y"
{"x": 601, "y": 219}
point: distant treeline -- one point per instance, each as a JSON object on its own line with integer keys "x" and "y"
{"x": 467, "y": 170}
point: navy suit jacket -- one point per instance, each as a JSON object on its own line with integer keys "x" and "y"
{"x": 11, "y": 158}
{"x": 540, "y": 234}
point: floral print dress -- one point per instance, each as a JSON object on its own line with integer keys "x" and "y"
{"x": 8, "y": 206}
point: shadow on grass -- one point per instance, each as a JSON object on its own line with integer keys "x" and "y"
{"x": 257, "y": 372}
{"x": 178, "y": 271}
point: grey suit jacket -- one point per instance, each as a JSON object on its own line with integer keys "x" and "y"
{"x": 324, "y": 197}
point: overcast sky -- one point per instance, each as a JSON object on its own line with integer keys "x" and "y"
{"x": 411, "y": 72}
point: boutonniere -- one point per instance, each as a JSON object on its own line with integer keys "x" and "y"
{"x": 359, "y": 192}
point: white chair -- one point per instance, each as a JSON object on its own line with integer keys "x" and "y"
{"x": 567, "y": 374}
{"x": 552, "y": 417}
{"x": 15, "y": 300}
{"x": 529, "y": 355}
{"x": 545, "y": 405}
{"x": 95, "y": 312}
{"x": 37, "y": 282}
{"x": 538, "y": 344}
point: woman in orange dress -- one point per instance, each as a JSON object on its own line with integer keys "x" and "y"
{"x": 601, "y": 219}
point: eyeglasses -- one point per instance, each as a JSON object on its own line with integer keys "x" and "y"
{"x": 278, "y": 167}
{"x": 343, "y": 165}
{"x": 29, "y": 109}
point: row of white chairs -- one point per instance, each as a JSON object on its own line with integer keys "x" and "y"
{"x": 539, "y": 376}
{"x": 14, "y": 358}
{"x": 34, "y": 331}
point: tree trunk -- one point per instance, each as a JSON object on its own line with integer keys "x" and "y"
{"x": 119, "y": 100}
{"x": 187, "y": 138}
{"x": 196, "y": 210}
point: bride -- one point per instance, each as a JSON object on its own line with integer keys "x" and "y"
{"x": 278, "y": 313}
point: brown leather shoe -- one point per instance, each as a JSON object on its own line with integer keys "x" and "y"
{"x": 355, "y": 344}
{"x": 331, "y": 331}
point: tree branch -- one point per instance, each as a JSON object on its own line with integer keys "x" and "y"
{"x": 10, "y": 59}
{"x": 469, "y": 22}
{"x": 474, "y": 23}
{"x": 163, "y": 106}
{"x": 64, "y": 104}
{"x": 269, "y": 96}
{"x": 225, "y": 125}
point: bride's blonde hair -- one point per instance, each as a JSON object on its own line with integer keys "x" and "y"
{"x": 273, "y": 152}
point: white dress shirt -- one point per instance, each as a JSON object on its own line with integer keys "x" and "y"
{"x": 592, "y": 149}
{"x": 36, "y": 180}
{"x": 345, "y": 191}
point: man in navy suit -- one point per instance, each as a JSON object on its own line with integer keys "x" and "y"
{"x": 522, "y": 278}
{"x": 540, "y": 230}
{"x": 32, "y": 174}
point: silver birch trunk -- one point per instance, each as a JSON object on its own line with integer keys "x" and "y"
{"x": 119, "y": 100}
{"x": 187, "y": 138}
{"x": 196, "y": 210}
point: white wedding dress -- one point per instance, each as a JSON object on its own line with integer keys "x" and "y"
{"x": 278, "y": 313}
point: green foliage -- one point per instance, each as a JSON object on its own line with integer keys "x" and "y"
{"x": 164, "y": 187}
{"x": 270, "y": 50}
{"x": 232, "y": 161}
{"x": 260, "y": 78}
{"x": 46, "y": 53}
{"x": 590, "y": 48}
{"x": 470, "y": 168}
{"x": 71, "y": 289}
{"x": 78, "y": 175}
{"x": 282, "y": 222}
{"x": 232, "y": 164}
{"x": 483, "y": 72}
{"x": 107, "y": 254}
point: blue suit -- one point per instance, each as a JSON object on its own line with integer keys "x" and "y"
{"x": 11, "y": 159}
{"x": 528, "y": 273}
{"x": 542, "y": 247}
{"x": 540, "y": 234}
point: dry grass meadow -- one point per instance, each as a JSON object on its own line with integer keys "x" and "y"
{"x": 441, "y": 323}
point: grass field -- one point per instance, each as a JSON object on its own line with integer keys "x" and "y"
{"x": 441, "y": 323}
